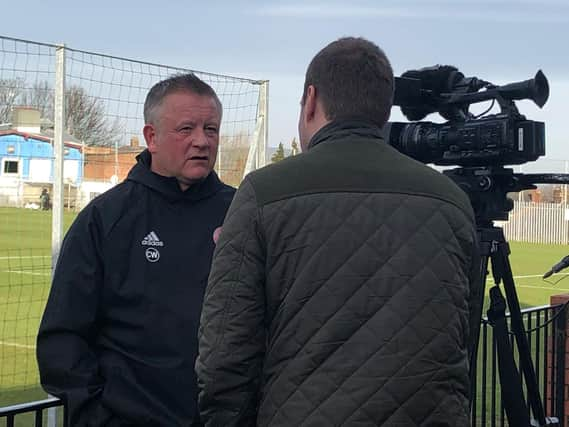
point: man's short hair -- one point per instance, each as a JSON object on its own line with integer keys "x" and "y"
{"x": 353, "y": 79}
{"x": 188, "y": 82}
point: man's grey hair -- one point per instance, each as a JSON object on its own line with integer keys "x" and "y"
{"x": 188, "y": 82}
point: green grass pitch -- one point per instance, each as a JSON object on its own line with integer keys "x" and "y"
{"x": 25, "y": 265}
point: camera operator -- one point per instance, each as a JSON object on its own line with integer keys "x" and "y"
{"x": 341, "y": 283}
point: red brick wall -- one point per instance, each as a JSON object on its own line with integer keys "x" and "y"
{"x": 101, "y": 166}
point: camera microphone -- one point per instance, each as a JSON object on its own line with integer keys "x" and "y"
{"x": 564, "y": 263}
{"x": 419, "y": 95}
{"x": 437, "y": 79}
{"x": 427, "y": 90}
{"x": 408, "y": 91}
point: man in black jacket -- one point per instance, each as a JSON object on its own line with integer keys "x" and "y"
{"x": 340, "y": 291}
{"x": 118, "y": 338}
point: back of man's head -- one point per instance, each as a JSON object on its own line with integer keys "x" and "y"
{"x": 353, "y": 80}
{"x": 188, "y": 82}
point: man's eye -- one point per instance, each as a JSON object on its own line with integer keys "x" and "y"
{"x": 185, "y": 129}
{"x": 211, "y": 130}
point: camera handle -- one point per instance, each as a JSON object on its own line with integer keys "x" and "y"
{"x": 495, "y": 249}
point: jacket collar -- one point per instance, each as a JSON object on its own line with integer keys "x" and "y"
{"x": 338, "y": 129}
{"x": 168, "y": 186}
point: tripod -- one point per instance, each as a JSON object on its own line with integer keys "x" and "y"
{"x": 487, "y": 188}
{"x": 495, "y": 249}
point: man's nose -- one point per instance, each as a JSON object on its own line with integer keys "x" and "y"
{"x": 200, "y": 139}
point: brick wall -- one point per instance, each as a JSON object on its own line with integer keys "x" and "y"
{"x": 102, "y": 163}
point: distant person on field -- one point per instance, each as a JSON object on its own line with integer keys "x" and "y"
{"x": 44, "y": 200}
{"x": 118, "y": 339}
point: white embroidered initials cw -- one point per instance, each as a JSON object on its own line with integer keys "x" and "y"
{"x": 152, "y": 239}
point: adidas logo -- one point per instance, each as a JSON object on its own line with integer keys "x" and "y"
{"x": 152, "y": 240}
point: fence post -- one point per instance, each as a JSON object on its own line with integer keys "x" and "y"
{"x": 263, "y": 112}
{"x": 561, "y": 376}
{"x": 257, "y": 156}
{"x": 58, "y": 165}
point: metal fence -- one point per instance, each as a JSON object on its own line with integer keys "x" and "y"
{"x": 546, "y": 333}
{"x": 33, "y": 412}
{"x": 538, "y": 223}
{"x": 71, "y": 123}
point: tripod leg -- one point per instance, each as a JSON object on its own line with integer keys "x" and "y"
{"x": 477, "y": 298}
{"x": 503, "y": 263}
{"x": 512, "y": 394}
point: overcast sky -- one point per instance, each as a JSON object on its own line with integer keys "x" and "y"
{"x": 500, "y": 41}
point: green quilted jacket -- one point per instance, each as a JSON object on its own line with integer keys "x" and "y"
{"x": 340, "y": 292}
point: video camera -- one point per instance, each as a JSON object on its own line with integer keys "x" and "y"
{"x": 480, "y": 145}
{"x": 466, "y": 140}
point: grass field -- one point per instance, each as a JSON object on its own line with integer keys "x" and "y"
{"x": 25, "y": 264}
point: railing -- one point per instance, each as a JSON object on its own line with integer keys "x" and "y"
{"x": 546, "y": 332}
{"x": 546, "y": 329}
{"x": 9, "y": 413}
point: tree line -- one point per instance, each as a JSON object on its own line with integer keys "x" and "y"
{"x": 85, "y": 116}
{"x": 279, "y": 154}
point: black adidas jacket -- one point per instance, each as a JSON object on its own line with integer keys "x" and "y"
{"x": 118, "y": 338}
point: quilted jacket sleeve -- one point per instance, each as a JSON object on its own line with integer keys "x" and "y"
{"x": 232, "y": 330}
{"x": 477, "y": 286}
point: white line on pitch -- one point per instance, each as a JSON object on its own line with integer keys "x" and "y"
{"x": 33, "y": 273}
{"x": 554, "y": 288}
{"x": 15, "y": 344}
{"x": 528, "y": 276}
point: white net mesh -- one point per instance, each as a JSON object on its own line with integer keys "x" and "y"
{"x": 103, "y": 100}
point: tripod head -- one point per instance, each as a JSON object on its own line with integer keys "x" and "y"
{"x": 488, "y": 186}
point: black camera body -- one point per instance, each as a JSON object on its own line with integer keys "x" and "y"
{"x": 507, "y": 138}
{"x": 479, "y": 145}
{"x": 493, "y": 140}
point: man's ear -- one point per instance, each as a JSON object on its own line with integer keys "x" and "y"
{"x": 149, "y": 133}
{"x": 309, "y": 108}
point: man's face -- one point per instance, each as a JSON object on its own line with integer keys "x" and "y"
{"x": 184, "y": 138}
